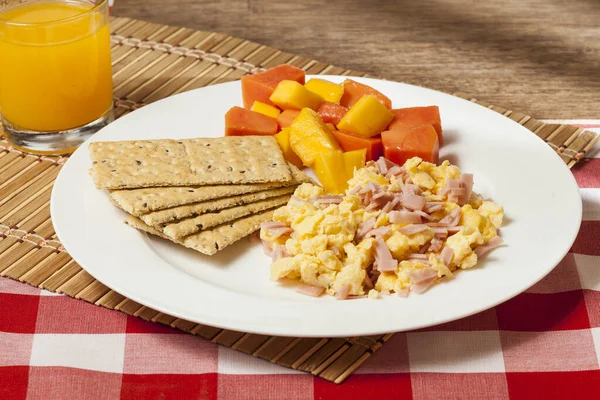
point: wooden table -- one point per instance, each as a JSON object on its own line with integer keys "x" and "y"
{"x": 539, "y": 56}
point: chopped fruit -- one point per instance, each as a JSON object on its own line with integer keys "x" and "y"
{"x": 265, "y": 109}
{"x": 354, "y": 159}
{"x": 353, "y": 91}
{"x": 349, "y": 141}
{"x": 331, "y": 113}
{"x": 242, "y": 122}
{"x": 368, "y": 117}
{"x": 415, "y": 116}
{"x": 329, "y": 168}
{"x": 259, "y": 87}
{"x": 400, "y": 145}
{"x": 286, "y": 118}
{"x": 283, "y": 138}
{"x": 291, "y": 94}
{"x": 309, "y": 136}
{"x": 329, "y": 91}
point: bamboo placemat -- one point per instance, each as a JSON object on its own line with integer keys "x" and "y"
{"x": 151, "y": 62}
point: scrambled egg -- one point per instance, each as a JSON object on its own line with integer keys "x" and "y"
{"x": 323, "y": 249}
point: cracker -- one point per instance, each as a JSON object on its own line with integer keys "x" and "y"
{"x": 191, "y": 210}
{"x": 210, "y": 241}
{"x": 144, "y": 200}
{"x": 186, "y": 227}
{"x": 207, "y": 161}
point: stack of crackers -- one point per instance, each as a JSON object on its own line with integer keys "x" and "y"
{"x": 204, "y": 194}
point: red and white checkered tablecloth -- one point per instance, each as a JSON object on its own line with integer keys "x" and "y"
{"x": 543, "y": 344}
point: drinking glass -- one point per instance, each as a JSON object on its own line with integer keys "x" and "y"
{"x": 55, "y": 72}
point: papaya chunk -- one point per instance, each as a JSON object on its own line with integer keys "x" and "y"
{"x": 242, "y": 122}
{"x": 259, "y": 87}
{"x": 400, "y": 145}
{"x": 286, "y": 118}
{"x": 331, "y": 113}
{"x": 414, "y": 116}
{"x": 348, "y": 142}
{"x": 353, "y": 91}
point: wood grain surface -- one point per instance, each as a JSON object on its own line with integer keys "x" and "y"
{"x": 537, "y": 56}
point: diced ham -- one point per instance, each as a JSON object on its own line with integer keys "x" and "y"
{"x": 310, "y": 290}
{"x": 383, "y": 256}
{"x": 396, "y": 171}
{"x": 412, "y": 229}
{"x": 413, "y": 201}
{"x": 451, "y": 219}
{"x": 371, "y": 187}
{"x": 365, "y": 197}
{"x": 278, "y": 252}
{"x": 436, "y": 244}
{"x": 467, "y": 183}
{"x": 383, "y": 165}
{"x": 364, "y": 228}
{"x": 424, "y": 215}
{"x": 454, "y": 229}
{"x": 355, "y": 189}
{"x": 390, "y": 205}
{"x": 403, "y": 293}
{"x": 329, "y": 199}
{"x": 412, "y": 189}
{"x": 379, "y": 200}
{"x": 421, "y": 275}
{"x": 446, "y": 255}
{"x": 404, "y": 217}
{"x": 379, "y": 232}
{"x": 422, "y": 279}
{"x": 433, "y": 206}
{"x": 271, "y": 225}
{"x": 343, "y": 292}
{"x": 277, "y": 232}
{"x": 417, "y": 256}
{"x": 266, "y": 248}
{"x": 489, "y": 246}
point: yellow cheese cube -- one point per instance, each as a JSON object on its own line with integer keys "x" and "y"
{"x": 354, "y": 159}
{"x": 327, "y": 90}
{"x": 265, "y": 109}
{"x": 329, "y": 168}
{"x": 368, "y": 117}
{"x": 283, "y": 138}
{"x": 309, "y": 136}
{"x": 292, "y": 95}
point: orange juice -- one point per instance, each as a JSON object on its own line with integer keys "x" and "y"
{"x": 55, "y": 72}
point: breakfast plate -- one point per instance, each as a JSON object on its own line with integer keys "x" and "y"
{"x": 232, "y": 289}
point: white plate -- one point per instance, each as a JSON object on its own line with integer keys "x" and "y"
{"x": 232, "y": 289}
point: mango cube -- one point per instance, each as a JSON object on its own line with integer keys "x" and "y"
{"x": 354, "y": 159}
{"x": 292, "y": 95}
{"x": 309, "y": 136}
{"x": 368, "y": 117}
{"x": 265, "y": 109}
{"x": 327, "y": 90}
{"x": 329, "y": 168}
{"x": 283, "y": 138}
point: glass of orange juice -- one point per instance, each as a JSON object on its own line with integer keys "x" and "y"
{"x": 55, "y": 72}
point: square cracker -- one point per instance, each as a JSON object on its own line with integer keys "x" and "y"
{"x": 210, "y": 241}
{"x": 145, "y": 200}
{"x": 178, "y": 229}
{"x": 207, "y": 161}
{"x": 191, "y": 210}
